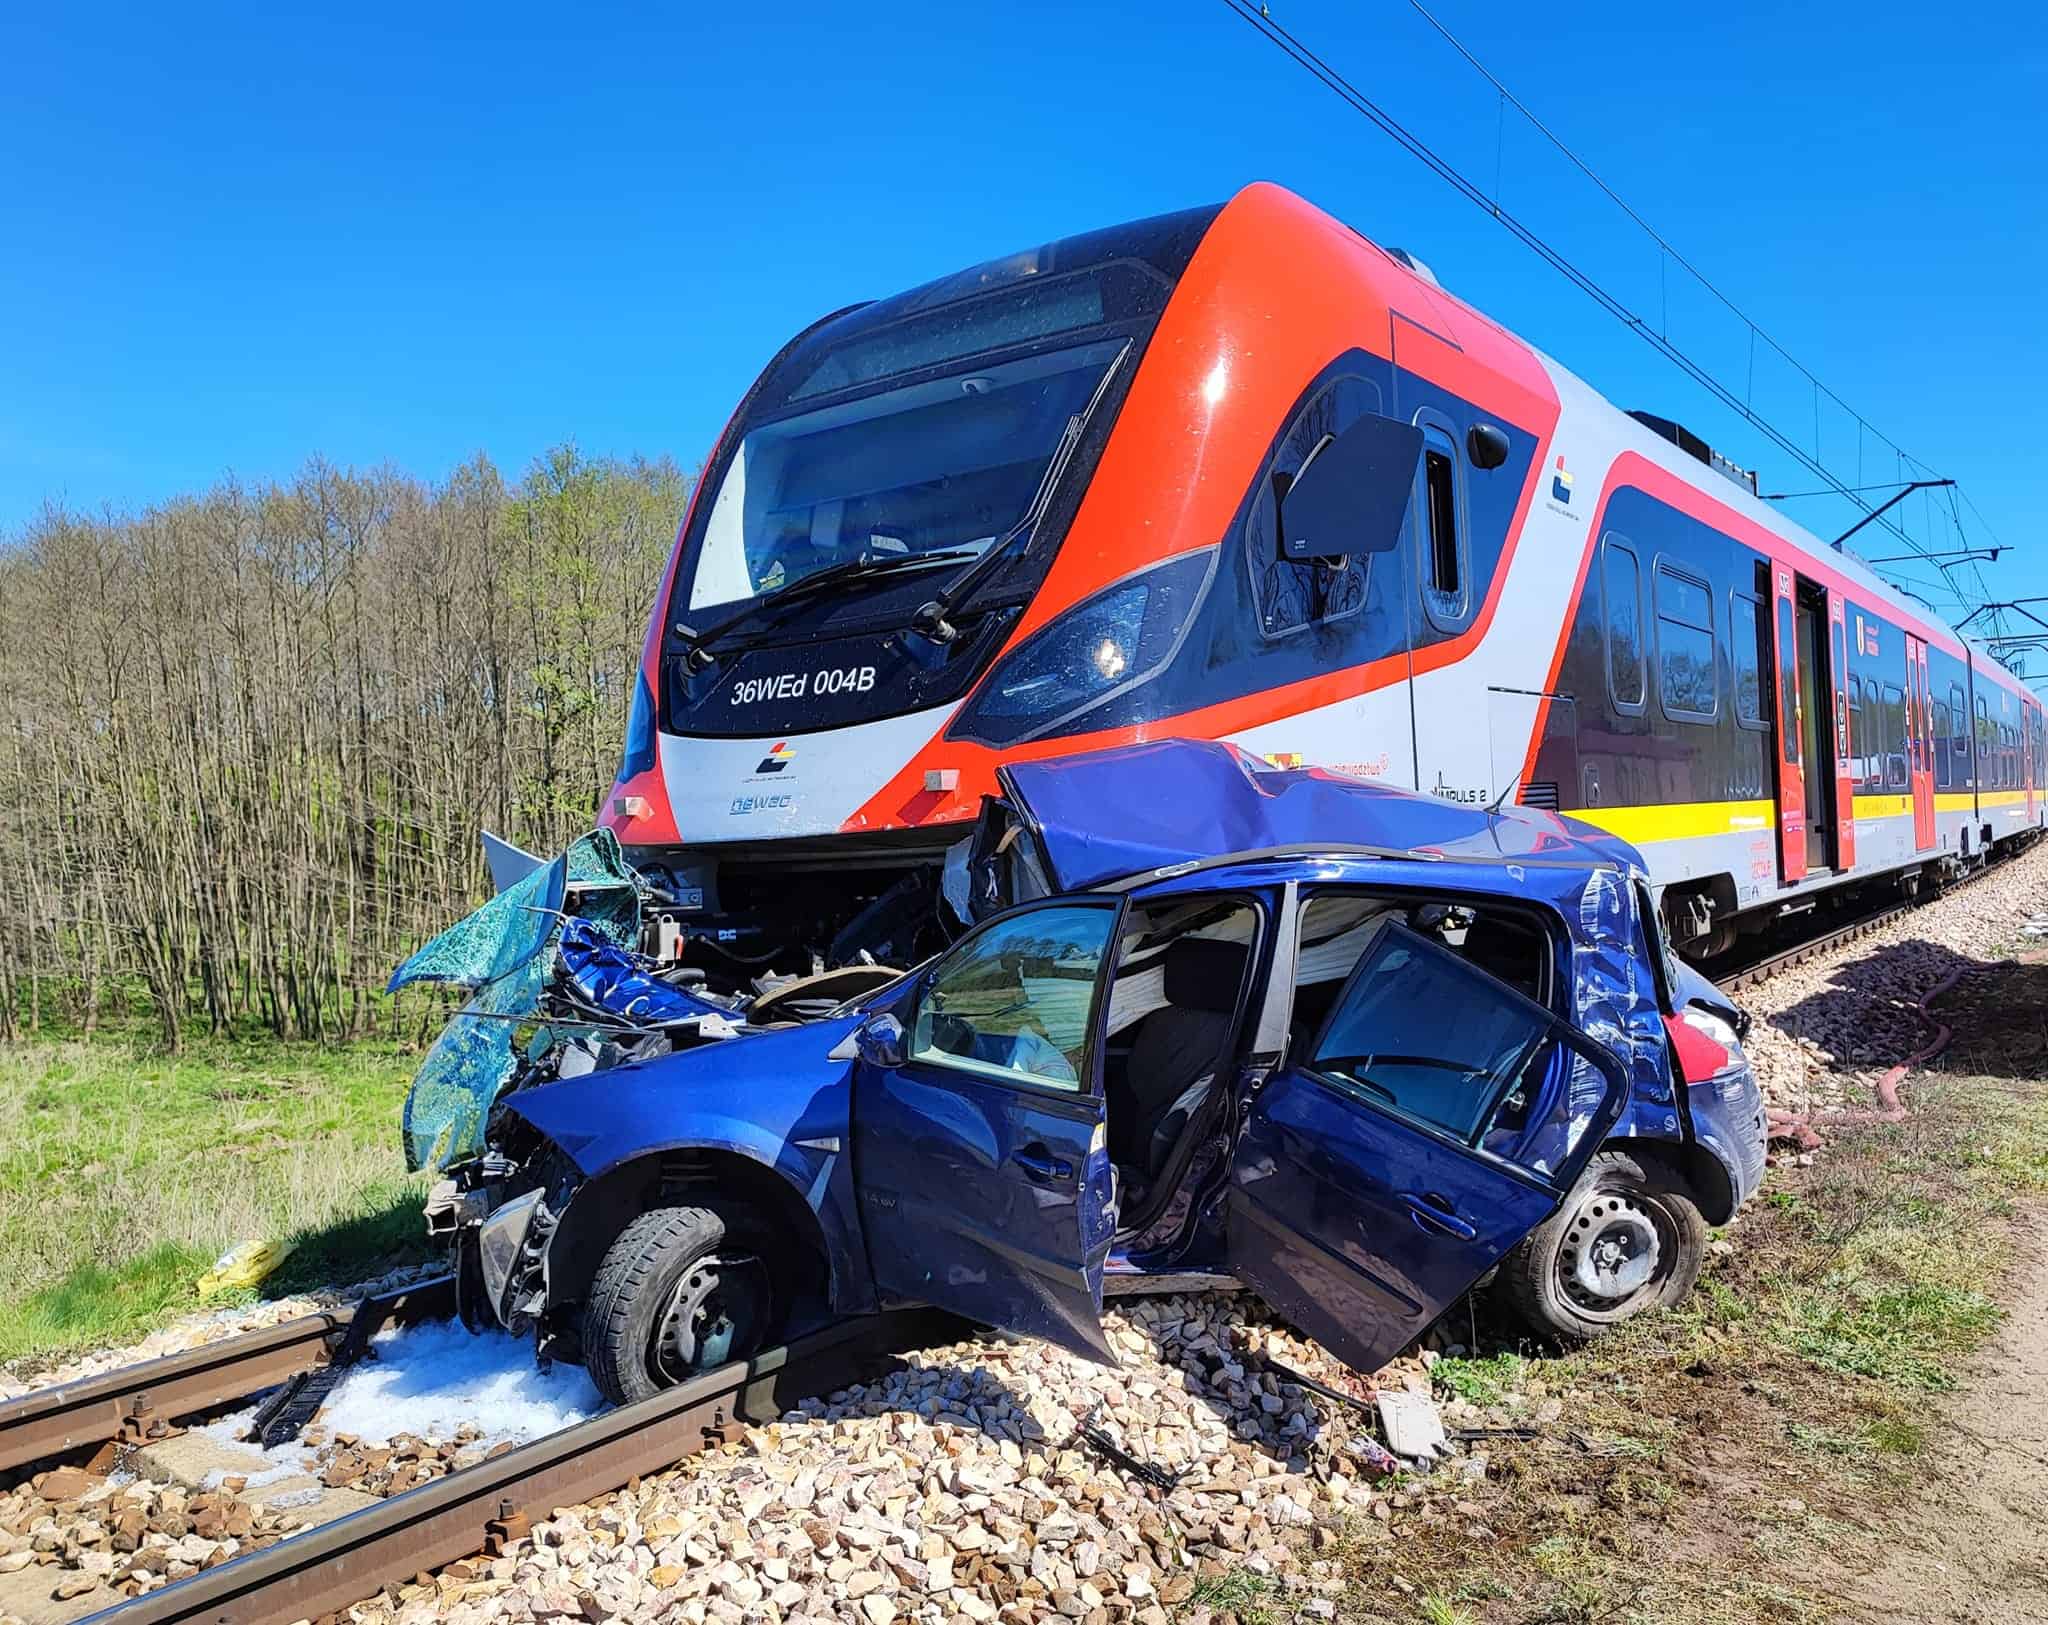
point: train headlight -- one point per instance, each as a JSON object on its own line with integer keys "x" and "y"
{"x": 1103, "y": 647}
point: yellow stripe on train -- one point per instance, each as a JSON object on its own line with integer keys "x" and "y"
{"x": 1687, "y": 820}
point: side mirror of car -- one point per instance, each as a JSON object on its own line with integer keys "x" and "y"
{"x": 1351, "y": 493}
{"x": 882, "y": 1041}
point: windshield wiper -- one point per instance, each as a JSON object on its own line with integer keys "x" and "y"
{"x": 930, "y": 618}
{"x": 700, "y": 654}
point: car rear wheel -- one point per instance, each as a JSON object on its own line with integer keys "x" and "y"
{"x": 1624, "y": 1241}
{"x": 673, "y": 1297}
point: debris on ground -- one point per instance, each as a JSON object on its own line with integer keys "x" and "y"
{"x": 1414, "y": 1428}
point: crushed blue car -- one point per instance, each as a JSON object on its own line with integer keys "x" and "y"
{"x": 1205, "y": 1022}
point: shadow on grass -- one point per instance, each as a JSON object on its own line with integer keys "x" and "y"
{"x": 96, "y": 1305}
{"x": 384, "y": 1232}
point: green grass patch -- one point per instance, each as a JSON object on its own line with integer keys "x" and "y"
{"x": 125, "y": 1172}
{"x": 95, "y": 1302}
{"x": 1879, "y": 1435}
{"x": 1912, "y": 1336}
{"x": 1483, "y": 1381}
{"x": 1242, "y": 1592}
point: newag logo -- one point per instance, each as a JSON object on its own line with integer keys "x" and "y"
{"x": 794, "y": 685}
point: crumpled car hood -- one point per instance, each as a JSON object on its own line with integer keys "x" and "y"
{"x": 1110, "y": 814}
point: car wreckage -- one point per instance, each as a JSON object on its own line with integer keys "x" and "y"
{"x": 1203, "y": 1021}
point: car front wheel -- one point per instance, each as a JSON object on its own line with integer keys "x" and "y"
{"x": 1623, "y": 1242}
{"x": 674, "y": 1296}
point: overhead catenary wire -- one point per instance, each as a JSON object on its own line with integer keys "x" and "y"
{"x": 1304, "y": 56}
{"x": 1669, "y": 252}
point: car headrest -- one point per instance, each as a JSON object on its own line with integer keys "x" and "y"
{"x": 1204, "y": 974}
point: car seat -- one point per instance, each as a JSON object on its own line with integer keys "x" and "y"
{"x": 1176, "y": 1052}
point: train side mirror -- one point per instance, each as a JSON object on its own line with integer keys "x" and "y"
{"x": 1487, "y": 445}
{"x": 1351, "y": 493}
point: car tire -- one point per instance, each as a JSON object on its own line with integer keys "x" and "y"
{"x": 1581, "y": 1272}
{"x": 672, "y": 1297}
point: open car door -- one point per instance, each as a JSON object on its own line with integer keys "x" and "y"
{"x": 980, "y": 1151}
{"x": 1436, "y": 1118}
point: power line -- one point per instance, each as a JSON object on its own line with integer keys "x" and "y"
{"x": 1307, "y": 58}
{"x": 1670, "y": 251}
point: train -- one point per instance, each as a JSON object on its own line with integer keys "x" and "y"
{"x": 1240, "y": 473}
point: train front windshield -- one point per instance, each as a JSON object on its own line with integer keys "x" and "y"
{"x": 944, "y": 465}
{"x": 926, "y": 423}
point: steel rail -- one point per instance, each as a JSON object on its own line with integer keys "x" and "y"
{"x": 1758, "y": 971}
{"x": 138, "y": 1402}
{"x": 486, "y": 1507}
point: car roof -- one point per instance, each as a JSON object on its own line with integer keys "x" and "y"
{"x": 1144, "y": 813}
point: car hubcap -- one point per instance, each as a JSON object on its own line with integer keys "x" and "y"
{"x": 712, "y": 1317}
{"x": 1611, "y": 1252}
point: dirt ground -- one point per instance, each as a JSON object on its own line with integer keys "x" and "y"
{"x": 1974, "y": 1546}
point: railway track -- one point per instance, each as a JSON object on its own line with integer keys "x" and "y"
{"x": 142, "y": 1402}
{"x": 1745, "y": 972}
{"x": 479, "y": 1509}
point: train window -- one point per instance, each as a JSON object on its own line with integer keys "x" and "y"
{"x": 1290, "y": 594}
{"x": 1745, "y": 636}
{"x": 1983, "y": 745}
{"x": 1685, "y": 645}
{"x": 1941, "y": 754}
{"x": 1444, "y": 583}
{"x": 1894, "y": 737}
{"x": 1858, "y": 742}
{"x": 1621, "y": 593}
{"x": 1959, "y": 737}
{"x": 1788, "y": 688}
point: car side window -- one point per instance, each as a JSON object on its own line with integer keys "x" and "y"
{"x": 1496, "y": 1080}
{"x": 1387, "y": 1042}
{"x": 1017, "y": 1000}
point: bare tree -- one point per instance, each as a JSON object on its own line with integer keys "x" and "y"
{"x": 248, "y": 738}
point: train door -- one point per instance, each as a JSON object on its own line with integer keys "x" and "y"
{"x": 2029, "y": 719}
{"x": 1453, "y": 751}
{"x": 1791, "y": 776}
{"x": 1845, "y": 748}
{"x": 1920, "y": 742}
{"x": 1816, "y": 738}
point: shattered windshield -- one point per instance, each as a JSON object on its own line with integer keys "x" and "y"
{"x": 504, "y": 954}
{"x": 946, "y": 465}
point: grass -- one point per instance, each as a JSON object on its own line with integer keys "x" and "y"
{"x": 1718, "y": 1457}
{"x": 1240, "y": 1592}
{"x": 125, "y": 1172}
{"x": 1481, "y": 1381}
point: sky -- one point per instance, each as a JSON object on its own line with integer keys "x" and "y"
{"x": 407, "y": 234}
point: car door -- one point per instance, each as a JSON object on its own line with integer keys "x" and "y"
{"x": 980, "y": 1156}
{"x": 1434, "y": 1119}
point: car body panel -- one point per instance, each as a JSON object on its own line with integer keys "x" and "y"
{"x": 1362, "y": 1222}
{"x": 1319, "y": 1219}
{"x": 981, "y": 1192}
{"x": 954, "y": 1217}
{"x": 778, "y": 1098}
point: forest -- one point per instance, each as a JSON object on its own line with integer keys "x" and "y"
{"x": 248, "y": 737}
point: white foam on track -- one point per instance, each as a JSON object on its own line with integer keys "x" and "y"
{"x": 432, "y": 1380}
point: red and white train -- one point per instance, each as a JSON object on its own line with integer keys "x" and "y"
{"x": 1240, "y": 473}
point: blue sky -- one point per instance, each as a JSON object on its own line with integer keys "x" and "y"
{"x": 410, "y": 233}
